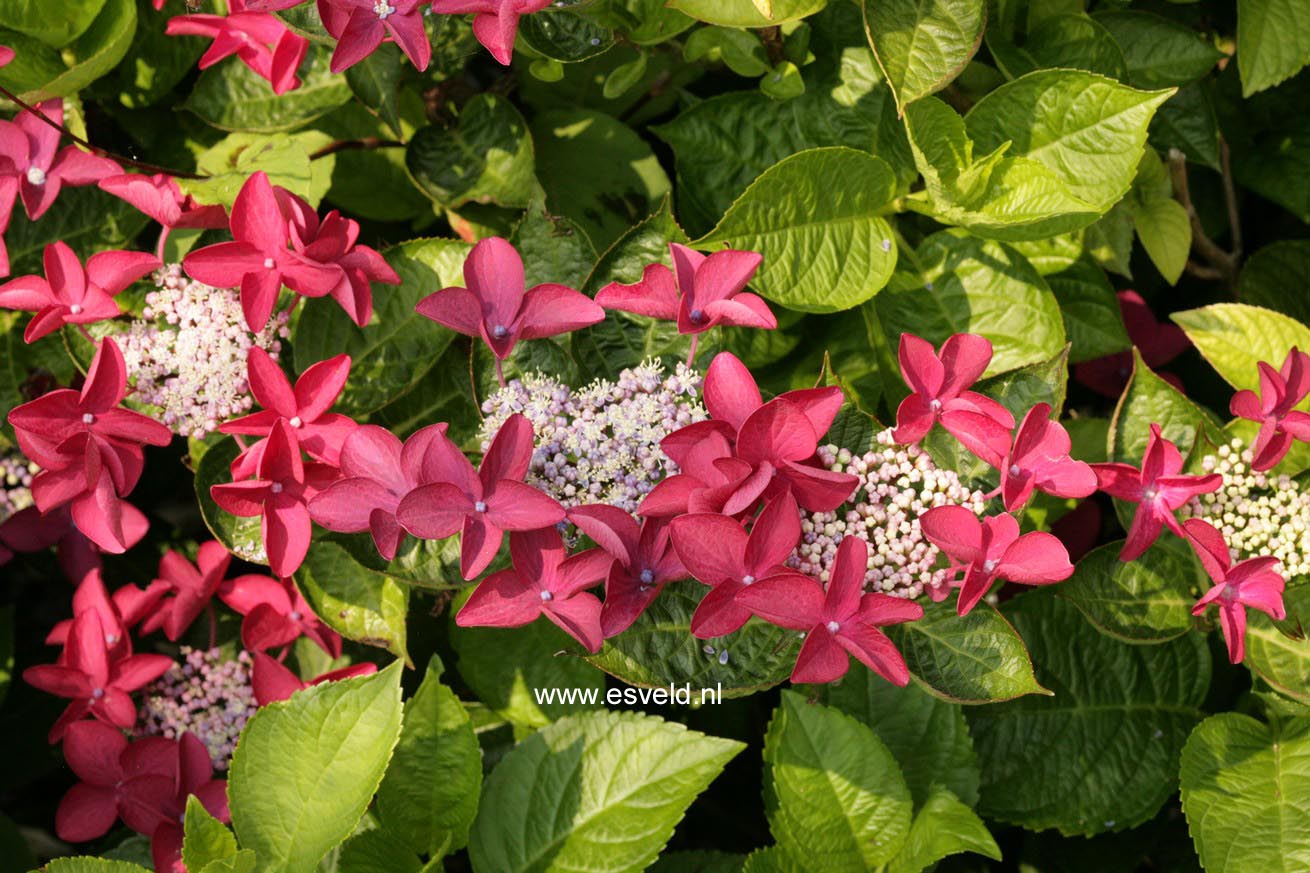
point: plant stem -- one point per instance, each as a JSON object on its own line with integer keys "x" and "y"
{"x": 1219, "y": 264}
{"x": 368, "y": 142}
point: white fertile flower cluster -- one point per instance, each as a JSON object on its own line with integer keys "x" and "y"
{"x": 1258, "y": 513}
{"x": 600, "y": 444}
{"x": 897, "y": 485}
{"x": 187, "y": 355}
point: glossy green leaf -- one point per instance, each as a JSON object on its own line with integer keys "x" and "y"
{"x": 1101, "y": 753}
{"x": 927, "y": 735}
{"x": 824, "y": 249}
{"x": 564, "y": 36}
{"x": 599, "y": 792}
{"x": 34, "y": 18}
{"x": 968, "y": 285}
{"x": 659, "y": 650}
{"x": 722, "y": 144}
{"x": 284, "y": 158}
{"x": 1166, "y": 234}
{"x": 1271, "y": 271}
{"x": 554, "y": 249}
{"x": 1053, "y": 254}
{"x": 1279, "y": 652}
{"x": 1159, "y": 51}
{"x": 93, "y": 54}
{"x": 1088, "y": 130}
{"x": 375, "y": 82}
{"x": 1273, "y": 41}
{"x": 739, "y": 50}
{"x": 206, "y": 839}
{"x": 397, "y": 348}
{"x": 240, "y": 535}
{"x": 231, "y": 96}
{"x": 1090, "y": 310}
{"x": 430, "y": 793}
{"x": 997, "y": 195}
{"x": 486, "y": 157}
{"x": 359, "y": 604}
{"x": 505, "y": 667}
{"x": 1187, "y": 122}
{"x": 1148, "y": 400}
{"x": 835, "y": 798}
{"x": 922, "y": 45}
{"x": 377, "y": 851}
{"x": 91, "y": 865}
{"x": 1147, "y": 600}
{"x": 156, "y": 62}
{"x": 1069, "y": 40}
{"x": 975, "y": 658}
{"x": 1235, "y": 337}
{"x": 305, "y": 769}
{"x": 943, "y": 827}
{"x": 597, "y": 172}
{"x": 744, "y": 13}
{"x": 1246, "y": 789}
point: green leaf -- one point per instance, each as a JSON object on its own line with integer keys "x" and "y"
{"x": 231, "y": 96}
{"x": 740, "y": 50}
{"x": 91, "y": 865}
{"x": 1246, "y": 788}
{"x": 1053, "y": 254}
{"x": 1088, "y": 130}
{"x": 825, "y": 249}
{"x": 430, "y": 793}
{"x": 1166, "y": 234}
{"x": 975, "y": 658}
{"x": 624, "y": 77}
{"x": 943, "y": 827}
{"x": 1148, "y": 400}
{"x": 554, "y": 249}
{"x": 34, "y": 18}
{"x": 722, "y": 144}
{"x": 1159, "y": 52}
{"x": 505, "y": 667}
{"x": 1187, "y": 122}
{"x": 486, "y": 157}
{"x": 564, "y": 36}
{"x": 773, "y": 860}
{"x": 1272, "y": 270}
{"x": 922, "y": 45}
{"x": 93, "y": 54}
{"x": 242, "y": 862}
{"x": 927, "y": 736}
{"x": 599, "y": 792}
{"x": 377, "y": 851}
{"x": 359, "y": 604}
{"x": 240, "y": 536}
{"x": 659, "y": 650}
{"x": 596, "y": 171}
{"x": 1101, "y": 753}
{"x": 1068, "y": 40}
{"x": 1279, "y": 652}
{"x": 834, "y": 795}
{"x": 643, "y": 22}
{"x": 1011, "y": 198}
{"x": 1148, "y": 600}
{"x": 1109, "y": 241}
{"x": 375, "y": 82}
{"x": 1235, "y": 337}
{"x": 88, "y": 219}
{"x": 1019, "y": 390}
{"x": 783, "y": 82}
{"x": 1090, "y": 310}
{"x": 968, "y": 285}
{"x": 305, "y": 769}
{"x": 1273, "y": 41}
{"x": 206, "y": 838}
{"x": 230, "y": 162}
{"x": 397, "y": 348}
{"x": 697, "y": 862}
{"x": 156, "y": 62}
{"x": 744, "y": 13}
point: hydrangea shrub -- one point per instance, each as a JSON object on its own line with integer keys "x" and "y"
{"x": 768, "y": 436}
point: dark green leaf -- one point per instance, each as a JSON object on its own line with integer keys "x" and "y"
{"x": 486, "y": 157}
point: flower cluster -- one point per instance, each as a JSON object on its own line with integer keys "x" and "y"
{"x": 897, "y": 485}
{"x": 1258, "y": 513}
{"x": 207, "y": 695}
{"x": 600, "y": 444}
{"x": 16, "y": 473}
{"x": 187, "y": 354}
